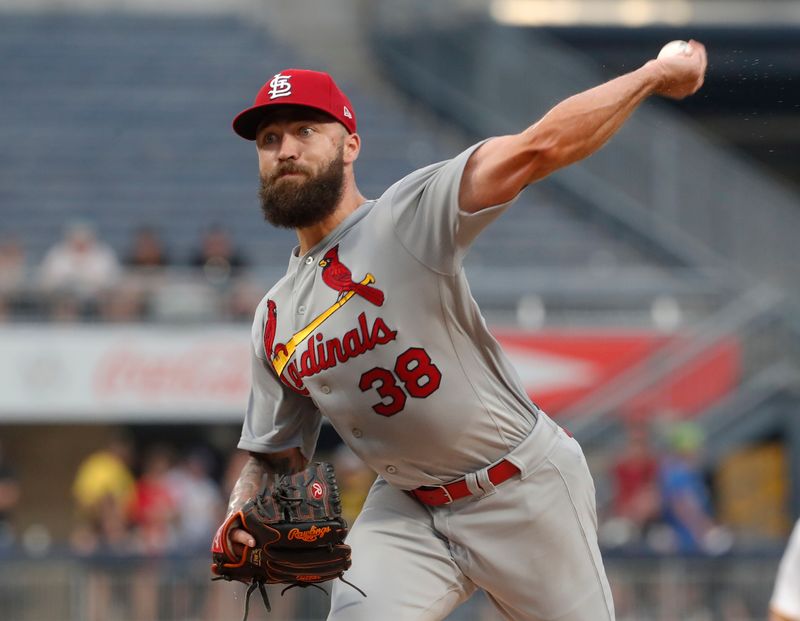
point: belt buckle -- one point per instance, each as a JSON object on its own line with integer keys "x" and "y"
{"x": 446, "y": 494}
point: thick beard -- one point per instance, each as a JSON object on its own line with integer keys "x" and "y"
{"x": 296, "y": 204}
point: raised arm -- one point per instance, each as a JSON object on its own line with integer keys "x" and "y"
{"x": 574, "y": 129}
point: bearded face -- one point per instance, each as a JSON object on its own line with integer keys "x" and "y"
{"x": 294, "y": 196}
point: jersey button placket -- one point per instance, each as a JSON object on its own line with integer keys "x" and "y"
{"x": 325, "y": 389}
{"x": 391, "y": 469}
{"x": 309, "y": 260}
{"x": 357, "y": 433}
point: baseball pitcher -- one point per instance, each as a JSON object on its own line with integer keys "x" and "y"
{"x": 373, "y": 326}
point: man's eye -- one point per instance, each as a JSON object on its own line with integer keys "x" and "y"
{"x": 270, "y": 139}
{"x": 306, "y": 131}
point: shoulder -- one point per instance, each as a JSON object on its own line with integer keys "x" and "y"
{"x": 420, "y": 177}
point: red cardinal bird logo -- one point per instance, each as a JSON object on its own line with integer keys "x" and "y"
{"x": 269, "y": 327}
{"x": 336, "y": 275}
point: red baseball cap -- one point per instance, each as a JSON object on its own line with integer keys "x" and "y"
{"x": 299, "y": 87}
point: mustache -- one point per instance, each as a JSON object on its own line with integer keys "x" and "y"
{"x": 288, "y": 168}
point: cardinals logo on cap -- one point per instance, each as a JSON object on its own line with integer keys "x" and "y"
{"x": 280, "y": 86}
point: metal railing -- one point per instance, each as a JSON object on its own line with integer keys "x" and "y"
{"x": 187, "y": 295}
{"x": 745, "y": 319}
{"x": 64, "y": 588}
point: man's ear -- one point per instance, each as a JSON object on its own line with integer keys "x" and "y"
{"x": 351, "y": 147}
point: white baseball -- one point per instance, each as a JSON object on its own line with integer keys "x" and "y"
{"x": 675, "y": 48}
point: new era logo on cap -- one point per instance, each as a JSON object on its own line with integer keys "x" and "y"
{"x": 299, "y": 87}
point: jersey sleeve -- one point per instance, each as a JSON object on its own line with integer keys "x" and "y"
{"x": 427, "y": 217}
{"x": 786, "y": 595}
{"x": 277, "y": 418}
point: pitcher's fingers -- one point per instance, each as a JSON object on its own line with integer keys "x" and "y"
{"x": 702, "y": 54}
{"x": 242, "y": 537}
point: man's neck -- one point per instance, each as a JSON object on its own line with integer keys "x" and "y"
{"x": 310, "y": 236}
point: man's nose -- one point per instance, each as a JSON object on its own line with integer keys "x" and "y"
{"x": 289, "y": 148}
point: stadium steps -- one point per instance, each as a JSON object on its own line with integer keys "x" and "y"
{"x": 124, "y": 120}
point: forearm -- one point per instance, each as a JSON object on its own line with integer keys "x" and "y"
{"x": 572, "y": 130}
{"x": 580, "y": 125}
{"x": 251, "y": 479}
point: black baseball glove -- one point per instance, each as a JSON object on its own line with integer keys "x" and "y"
{"x": 299, "y": 532}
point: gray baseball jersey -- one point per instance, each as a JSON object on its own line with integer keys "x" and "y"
{"x": 375, "y": 328}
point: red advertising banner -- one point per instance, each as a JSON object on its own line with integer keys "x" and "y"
{"x": 140, "y": 373}
{"x": 560, "y": 367}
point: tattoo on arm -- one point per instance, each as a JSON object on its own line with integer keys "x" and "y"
{"x": 251, "y": 480}
{"x": 248, "y": 485}
{"x": 285, "y": 463}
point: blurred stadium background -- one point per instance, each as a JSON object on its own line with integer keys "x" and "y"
{"x": 648, "y": 295}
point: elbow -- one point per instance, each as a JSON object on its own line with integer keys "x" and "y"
{"x": 543, "y": 162}
{"x": 544, "y": 154}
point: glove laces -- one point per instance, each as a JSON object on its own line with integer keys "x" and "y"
{"x": 259, "y": 584}
{"x": 264, "y": 597}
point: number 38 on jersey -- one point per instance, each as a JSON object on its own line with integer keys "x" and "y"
{"x": 413, "y": 375}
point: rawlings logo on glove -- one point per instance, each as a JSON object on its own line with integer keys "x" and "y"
{"x": 312, "y": 534}
{"x": 299, "y": 531}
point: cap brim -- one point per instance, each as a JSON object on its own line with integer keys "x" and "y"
{"x": 246, "y": 122}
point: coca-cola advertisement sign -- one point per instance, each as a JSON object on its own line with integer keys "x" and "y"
{"x": 131, "y": 373}
{"x": 166, "y": 373}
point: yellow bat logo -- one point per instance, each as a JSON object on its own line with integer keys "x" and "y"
{"x": 284, "y": 352}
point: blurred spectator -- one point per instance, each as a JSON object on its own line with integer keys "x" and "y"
{"x": 217, "y": 256}
{"x": 243, "y": 298}
{"x": 12, "y": 273}
{"x": 147, "y": 250}
{"x": 9, "y": 498}
{"x": 154, "y": 514}
{"x": 80, "y": 263}
{"x": 125, "y": 302}
{"x": 103, "y": 489}
{"x": 131, "y": 299}
{"x": 200, "y": 511}
{"x": 12, "y": 264}
{"x": 687, "y": 508}
{"x": 636, "y": 502}
{"x": 785, "y": 602}
{"x": 154, "y": 510}
{"x": 199, "y": 501}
